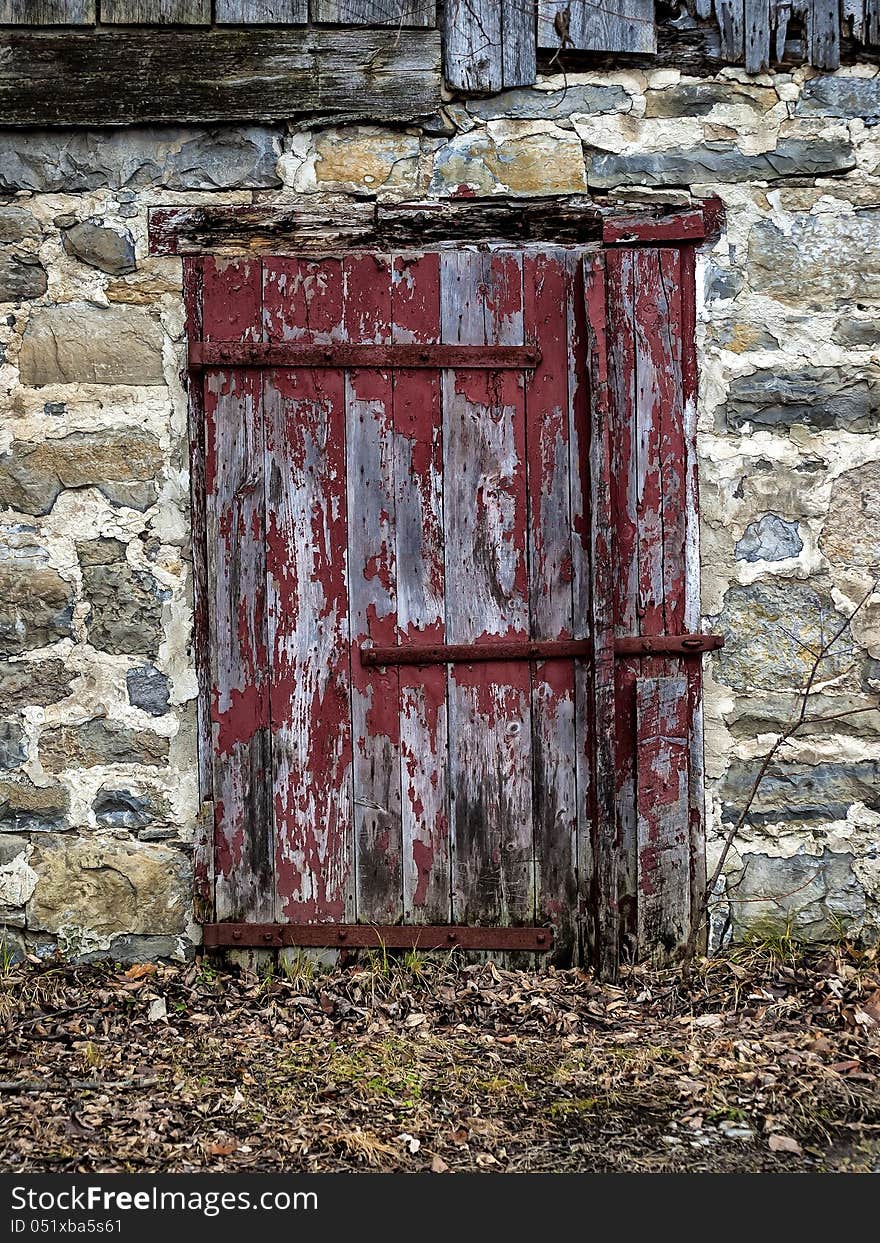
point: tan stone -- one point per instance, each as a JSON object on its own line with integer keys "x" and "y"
{"x": 28, "y": 808}
{"x": 366, "y": 159}
{"x": 35, "y": 605}
{"x": 99, "y": 742}
{"x": 123, "y": 464}
{"x": 851, "y": 535}
{"x": 107, "y": 886}
{"x": 141, "y": 290}
{"x": 524, "y": 162}
{"x": 77, "y": 343}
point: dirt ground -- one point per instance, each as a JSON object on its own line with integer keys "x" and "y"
{"x": 764, "y": 1061}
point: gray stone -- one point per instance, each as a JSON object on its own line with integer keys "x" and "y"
{"x": 173, "y": 157}
{"x": 771, "y": 538}
{"x": 132, "y": 949}
{"x": 121, "y": 809}
{"x": 840, "y": 97}
{"x": 148, "y": 689}
{"x": 721, "y": 162}
{"x": 22, "y": 277}
{"x": 99, "y": 742}
{"x": 36, "y": 604}
{"x": 850, "y": 537}
{"x": 123, "y": 465}
{"x": 818, "y": 261}
{"x": 13, "y": 749}
{"x": 78, "y": 343}
{"x": 852, "y": 333}
{"x": 697, "y": 99}
{"x": 769, "y": 629}
{"x": 126, "y": 604}
{"x": 721, "y": 283}
{"x": 25, "y": 808}
{"x": 108, "y": 887}
{"x": 12, "y": 944}
{"x": 792, "y": 793}
{"x": 529, "y": 104}
{"x": 94, "y": 243}
{"x": 824, "y": 398}
{"x": 16, "y": 224}
{"x": 771, "y": 712}
{"x": 808, "y": 897}
{"x": 11, "y": 846}
{"x": 55, "y": 408}
{"x": 25, "y": 683}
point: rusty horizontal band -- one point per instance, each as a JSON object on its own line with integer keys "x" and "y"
{"x": 668, "y": 644}
{"x": 469, "y": 653}
{"x": 376, "y": 936}
{"x": 341, "y": 355}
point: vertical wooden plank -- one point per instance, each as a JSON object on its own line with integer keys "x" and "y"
{"x": 308, "y": 599}
{"x": 730, "y": 15}
{"x": 487, "y": 594}
{"x": 257, "y": 12}
{"x": 599, "y": 844}
{"x": 547, "y": 295}
{"x": 156, "y": 12}
{"x": 472, "y": 45}
{"x": 369, "y": 436}
{"x": 853, "y": 18}
{"x": 421, "y": 615}
{"x": 203, "y": 852}
{"x": 780, "y": 13}
{"x": 756, "y": 21}
{"x": 519, "y": 45}
{"x": 662, "y": 805}
{"x": 47, "y": 12}
{"x": 872, "y": 20}
{"x": 824, "y": 34}
{"x": 375, "y": 12}
{"x": 598, "y": 25}
{"x": 235, "y": 504}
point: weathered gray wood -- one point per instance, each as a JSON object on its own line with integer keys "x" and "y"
{"x": 756, "y": 17}
{"x": 824, "y": 34}
{"x": 731, "y": 21}
{"x": 852, "y": 14}
{"x": 472, "y": 45}
{"x": 519, "y": 49}
{"x": 156, "y": 12}
{"x": 286, "y": 12}
{"x": 872, "y": 21}
{"x": 128, "y": 77}
{"x": 598, "y": 25}
{"x": 47, "y": 12}
{"x": 780, "y": 11}
{"x": 663, "y": 755}
{"x": 375, "y": 12}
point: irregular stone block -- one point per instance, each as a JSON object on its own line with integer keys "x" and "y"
{"x": 132, "y": 949}
{"x": 523, "y": 163}
{"x": 769, "y": 713}
{"x": 22, "y": 277}
{"x": 850, "y": 537}
{"x": 77, "y": 343}
{"x": 26, "y": 684}
{"x": 771, "y": 538}
{"x": 121, "y": 809}
{"x": 807, "y": 897}
{"x": 99, "y": 742}
{"x": 148, "y": 690}
{"x": 366, "y": 159}
{"x": 721, "y": 283}
{"x": 94, "y": 243}
{"x": 532, "y": 105}
{"x": 721, "y": 162}
{"x": 17, "y": 880}
{"x": 126, "y": 604}
{"x": 26, "y": 808}
{"x": 698, "y": 99}
{"x": 104, "y": 887}
{"x": 13, "y": 751}
{"x": 121, "y": 464}
{"x": 824, "y": 398}
{"x": 175, "y": 157}
{"x": 769, "y": 629}
{"x": 792, "y": 793}
{"x": 16, "y": 224}
{"x": 855, "y": 332}
{"x": 827, "y": 96}
{"x": 36, "y": 604}
{"x": 818, "y": 261}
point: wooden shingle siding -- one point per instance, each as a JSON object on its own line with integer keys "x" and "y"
{"x": 374, "y": 12}
{"x": 598, "y": 25}
{"x": 156, "y": 12}
{"x": 282, "y": 12}
{"x": 47, "y": 12}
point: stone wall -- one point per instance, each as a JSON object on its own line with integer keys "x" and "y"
{"x": 98, "y": 796}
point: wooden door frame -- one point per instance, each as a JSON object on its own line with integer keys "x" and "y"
{"x": 194, "y": 233}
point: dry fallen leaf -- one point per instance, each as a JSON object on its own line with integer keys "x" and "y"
{"x": 222, "y": 1150}
{"x": 784, "y": 1143}
{"x": 438, "y": 1165}
{"x": 140, "y": 969}
{"x": 158, "y": 1010}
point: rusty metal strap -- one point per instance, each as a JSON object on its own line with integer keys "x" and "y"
{"x": 376, "y": 936}
{"x": 468, "y": 653}
{"x": 668, "y": 644}
{"x": 341, "y": 355}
